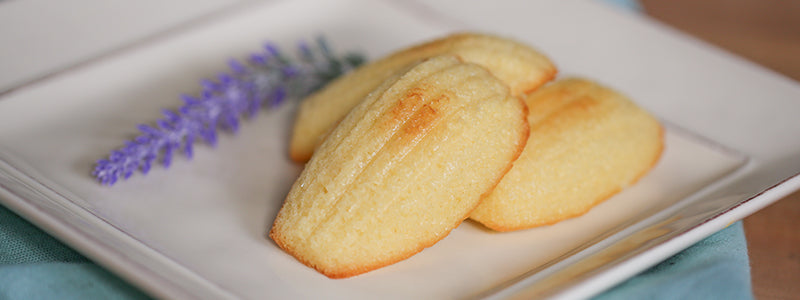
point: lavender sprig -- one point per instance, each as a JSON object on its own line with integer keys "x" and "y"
{"x": 266, "y": 81}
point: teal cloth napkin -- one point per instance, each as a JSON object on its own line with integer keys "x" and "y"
{"x": 715, "y": 268}
{"x": 34, "y": 265}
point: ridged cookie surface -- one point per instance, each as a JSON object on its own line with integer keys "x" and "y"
{"x": 586, "y": 143}
{"x": 404, "y": 167}
{"x": 522, "y": 68}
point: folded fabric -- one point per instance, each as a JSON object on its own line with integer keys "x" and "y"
{"x": 63, "y": 280}
{"x": 715, "y": 268}
{"x": 34, "y": 265}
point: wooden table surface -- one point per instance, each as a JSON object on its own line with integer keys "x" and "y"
{"x": 768, "y": 33}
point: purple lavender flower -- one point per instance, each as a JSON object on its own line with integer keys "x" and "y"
{"x": 266, "y": 81}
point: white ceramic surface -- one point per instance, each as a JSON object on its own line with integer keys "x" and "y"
{"x": 197, "y": 230}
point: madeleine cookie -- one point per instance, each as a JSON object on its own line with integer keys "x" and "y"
{"x": 586, "y": 143}
{"x": 402, "y": 169}
{"x": 520, "y": 67}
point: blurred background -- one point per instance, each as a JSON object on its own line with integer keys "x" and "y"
{"x": 766, "y": 32}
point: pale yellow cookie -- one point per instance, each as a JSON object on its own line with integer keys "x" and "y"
{"x": 586, "y": 143}
{"x": 402, "y": 169}
{"x": 522, "y": 68}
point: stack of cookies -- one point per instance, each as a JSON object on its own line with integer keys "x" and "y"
{"x": 400, "y": 151}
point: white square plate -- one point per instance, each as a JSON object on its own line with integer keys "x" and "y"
{"x": 197, "y": 230}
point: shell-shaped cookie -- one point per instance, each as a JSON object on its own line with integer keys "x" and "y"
{"x": 402, "y": 169}
{"x": 519, "y": 66}
{"x": 587, "y": 142}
